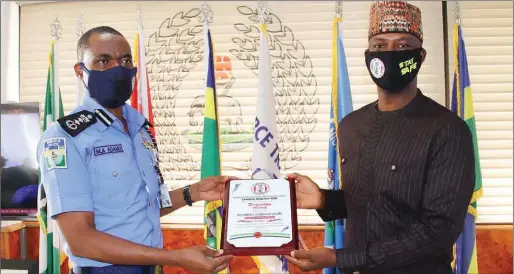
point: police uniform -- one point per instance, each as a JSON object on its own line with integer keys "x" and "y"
{"x": 89, "y": 163}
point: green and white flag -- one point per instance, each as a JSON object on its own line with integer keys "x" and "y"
{"x": 49, "y": 247}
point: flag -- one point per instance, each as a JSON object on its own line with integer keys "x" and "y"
{"x": 50, "y": 257}
{"x": 79, "y": 91}
{"x": 462, "y": 104}
{"x": 140, "y": 98}
{"x": 210, "y": 165}
{"x": 340, "y": 107}
{"x": 265, "y": 159}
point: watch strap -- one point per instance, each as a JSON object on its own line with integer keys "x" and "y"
{"x": 187, "y": 195}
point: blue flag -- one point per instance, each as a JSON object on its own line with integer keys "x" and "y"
{"x": 341, "y": 106}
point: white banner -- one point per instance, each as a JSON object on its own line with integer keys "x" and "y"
{"x": 265, "y": 158}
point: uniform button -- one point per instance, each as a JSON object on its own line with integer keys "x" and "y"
{"x": 393, "y": 167}
{"x": 343, "y": 160}
{"x": 115, "y": 174}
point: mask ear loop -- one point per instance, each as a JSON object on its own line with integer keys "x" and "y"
{"x": 87, "y": 71}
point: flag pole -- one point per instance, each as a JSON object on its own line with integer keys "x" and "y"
{"x": 139, "y": 18}
{"x": 79, "y": 93}
{"x": 206, "y": 14}
{"x": 206, "y": 17}
{"x": 139, "y": 63}
{"x": 80, "y": 25}
{"x": 56, "y": 33}
{"x": 456, "y": 9}
{"x": 263, "y": 12}
{"x": 456, "y": 12}
{"x": 339, "y": 9}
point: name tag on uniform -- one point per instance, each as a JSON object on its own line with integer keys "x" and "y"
{"x": 107, "y": 149}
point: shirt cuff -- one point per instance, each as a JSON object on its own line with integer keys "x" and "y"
{"x": 70, "y": 203}
{"x": 334, "y": 207}
{"x": 351, "y": 258}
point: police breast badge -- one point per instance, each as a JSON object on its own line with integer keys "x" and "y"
{"x": 147, "y": 144}
{"x": 55, "y": 153}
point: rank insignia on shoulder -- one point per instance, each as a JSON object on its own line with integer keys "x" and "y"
{"x": 75, "y": 123}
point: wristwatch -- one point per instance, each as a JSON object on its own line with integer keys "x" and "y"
{"x": 187, "y": 195}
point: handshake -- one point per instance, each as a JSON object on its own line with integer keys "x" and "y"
{"x": 202, "y": 259}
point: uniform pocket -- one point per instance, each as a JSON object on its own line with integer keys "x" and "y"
{"x": 117, "y": 182}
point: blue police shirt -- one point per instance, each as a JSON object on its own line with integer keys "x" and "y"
{"x": 103, "y": 170}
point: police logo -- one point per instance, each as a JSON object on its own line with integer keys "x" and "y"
{"x": 260, "y": 188}
{"x": 55, "y": 153}
{"x": 377, "y": 68}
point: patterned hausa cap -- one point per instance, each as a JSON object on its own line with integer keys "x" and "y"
{"x": 395, "y": 17}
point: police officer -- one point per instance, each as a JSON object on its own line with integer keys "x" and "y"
{"x": 99, "y": 166}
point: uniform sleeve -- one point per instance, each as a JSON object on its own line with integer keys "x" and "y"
{"x": 63, "y": 174}
{"x": 446, "y": 196}
{"x": 334, "y": 206}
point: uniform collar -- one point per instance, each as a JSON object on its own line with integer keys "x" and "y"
{"x": 105, "y": 118}
{"x": 135, "y": 120}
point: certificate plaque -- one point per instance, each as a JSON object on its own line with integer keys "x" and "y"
{"x": 259, "y": 218}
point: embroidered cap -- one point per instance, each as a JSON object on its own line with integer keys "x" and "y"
{"x": 395, "y": 17}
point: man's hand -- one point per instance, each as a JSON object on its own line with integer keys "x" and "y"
{"x": 200, "y": 259}
{"x": 308, "y": 194}
{"x": 210, "y": 189}
{"x": 317, "y": 258}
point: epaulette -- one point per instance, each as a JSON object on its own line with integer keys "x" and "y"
{"x": 75, "y": 123}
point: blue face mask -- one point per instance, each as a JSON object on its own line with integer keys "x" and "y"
{"x": 110, "y": 88}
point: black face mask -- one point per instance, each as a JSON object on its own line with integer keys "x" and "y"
{"x": 393, "y": 70}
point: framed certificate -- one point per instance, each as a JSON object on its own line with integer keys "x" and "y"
{"x": 259, "y": 218}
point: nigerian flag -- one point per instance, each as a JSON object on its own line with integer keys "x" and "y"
{"x": 211, "y": 145}
{"x": 49, "y": 251}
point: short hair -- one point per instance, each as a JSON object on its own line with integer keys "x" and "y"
{"x": 83, "y": 43}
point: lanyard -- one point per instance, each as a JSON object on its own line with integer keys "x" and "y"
{"x": 164, "y": 196}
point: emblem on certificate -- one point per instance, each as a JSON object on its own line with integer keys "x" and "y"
{"x": 259, "y": 218}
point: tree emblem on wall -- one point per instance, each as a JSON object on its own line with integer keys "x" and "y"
{"x": 173, "y": 51}
{"x": 177, "y": 47}
{"x": 293, "y": 78}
